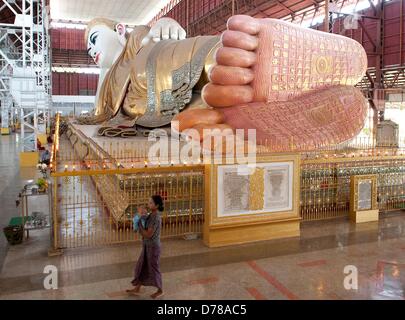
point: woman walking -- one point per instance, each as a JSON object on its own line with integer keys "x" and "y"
{"x": 147, "y": 269}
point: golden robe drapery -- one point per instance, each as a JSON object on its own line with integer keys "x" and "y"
{"x": 151, "y": 84}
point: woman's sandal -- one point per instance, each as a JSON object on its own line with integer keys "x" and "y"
{"x": 133, "y": 291}
{"x": 157, "y": 295}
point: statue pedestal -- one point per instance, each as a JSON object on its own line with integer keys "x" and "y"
{"x": 246, "y": 204}
{"x": 237, "y": 233}
{"x": 364, "y": 216}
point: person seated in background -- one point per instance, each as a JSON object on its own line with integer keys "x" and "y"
{"x": 46, "y": 157}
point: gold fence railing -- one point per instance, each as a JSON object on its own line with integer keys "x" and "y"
{"x": 95, "y": 197}
{"x": 96, "y": 207}
{"x": 325, "y": 184}
{"x": 97, "y": 189}
{"x": 110, "y": 151}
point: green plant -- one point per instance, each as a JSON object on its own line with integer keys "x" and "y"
{"x": 42, "y": 185}
{"x": 41, "y": 182}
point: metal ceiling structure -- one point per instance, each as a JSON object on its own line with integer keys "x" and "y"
{"x": 134, "y": 12}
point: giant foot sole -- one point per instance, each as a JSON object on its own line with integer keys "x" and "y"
{"x": 265, "y": 60}
{"x": 294, "y": 85}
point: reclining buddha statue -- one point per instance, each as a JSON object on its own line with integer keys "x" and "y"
{"x": 288, "y": 82}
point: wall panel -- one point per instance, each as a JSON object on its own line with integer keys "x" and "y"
{"x": 214, "y": 22}
{"x": 68, "y": 39}
{"x": 74, "y": 84}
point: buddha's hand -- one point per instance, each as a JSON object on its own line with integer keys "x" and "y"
{"x": 163, "y": 29}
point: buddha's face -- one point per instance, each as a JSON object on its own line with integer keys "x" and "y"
{"x": 104, "y": 45}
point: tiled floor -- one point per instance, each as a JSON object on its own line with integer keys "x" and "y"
{"x": 12, "y": 179}
{"x": 309, "y": 267}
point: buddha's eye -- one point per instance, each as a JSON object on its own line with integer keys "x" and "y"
{"x": 93, "y": 37}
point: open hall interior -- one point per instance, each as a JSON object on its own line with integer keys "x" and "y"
{"x": 212, "y": 149}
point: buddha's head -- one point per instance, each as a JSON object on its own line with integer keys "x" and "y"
{"x": 105, "y": 41}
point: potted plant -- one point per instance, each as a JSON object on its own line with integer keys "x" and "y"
{"x": 14, "y": 234}
{"x": 42, "y": 185}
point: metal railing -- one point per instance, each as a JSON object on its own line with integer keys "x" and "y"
{"x": 97, "y": 189}
{"x": 95, "y": 199}
{"x": 325, "y": 184}
{"x": 96, "y": 207}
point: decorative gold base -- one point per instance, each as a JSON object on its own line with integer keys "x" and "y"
{"x": 29, "y": 159}
{"x": 370, "y": 226}
{"x": 190, "y": 236}
{"x": 5, "y": 131}
{"x": 54, "y": 252}
{"x": 364, "y": 216}
{"x": 239, "y": 234}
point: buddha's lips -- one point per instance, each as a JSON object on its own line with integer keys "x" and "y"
{"x": 96, "y": 58}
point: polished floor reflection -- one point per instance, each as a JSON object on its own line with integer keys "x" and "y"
{"x": 310, "y": 267}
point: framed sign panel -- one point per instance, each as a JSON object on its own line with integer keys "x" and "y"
{"x": 264, "y": 188}
{"x": 363, "y": 198}
{"x": 241, "y": 195}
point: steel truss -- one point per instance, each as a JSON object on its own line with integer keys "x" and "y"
{"x": 25, "y": 68}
